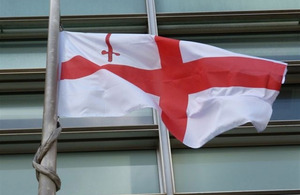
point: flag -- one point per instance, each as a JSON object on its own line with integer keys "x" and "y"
{"x": 200, "y": 91}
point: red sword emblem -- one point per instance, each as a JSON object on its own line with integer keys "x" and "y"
{"x": 110, "y": 51}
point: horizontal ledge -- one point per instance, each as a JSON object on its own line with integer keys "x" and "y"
{"x": 26, "y": 28}
{"x": 82, "y": 139}
{"x": 22, "y": 71}
{"x": 229, "y": 16}
{"x": 84, "y": 20}
{"x": 274, "y": 128}
{"x": 231, "y": 28}
{"x": 241, "y": 130}
{"x": 35, "y": 28}
{"x": 277, "y": 133}
{"x": 249, "y": 192}
{"x": 70, "y": 130}
{"x": 207, "y": 17}
{"x": 143, "y": 137}
{"x": 41, "y": 34}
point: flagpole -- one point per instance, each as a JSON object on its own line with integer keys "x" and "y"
{"x": 46, "y": 185}
{"x": 164, "y": 140}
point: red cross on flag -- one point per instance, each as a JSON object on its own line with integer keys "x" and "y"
{"x": 199, "y": 90}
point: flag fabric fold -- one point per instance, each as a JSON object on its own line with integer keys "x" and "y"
{"x": 200, "y": 91}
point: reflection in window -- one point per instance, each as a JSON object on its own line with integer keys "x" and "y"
{"x": 237, "y": 169}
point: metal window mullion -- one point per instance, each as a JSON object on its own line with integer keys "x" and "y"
{"x": 164, "y": 151}
{"x": 166, "y": 159}
{"x": 151, "y": 15}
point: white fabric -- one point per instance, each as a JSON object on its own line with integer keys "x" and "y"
{"x": 200, "y": 50}
{"x": 216, "y": 110}
{"x": 94, "y": 96}
{"x": 142, "y": 51}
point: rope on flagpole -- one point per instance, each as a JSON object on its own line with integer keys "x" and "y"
{"x": 41, "y": 152}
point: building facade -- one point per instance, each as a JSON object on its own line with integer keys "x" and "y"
{"x": 130, "y": 154}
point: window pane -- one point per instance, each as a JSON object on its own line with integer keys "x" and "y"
{"x": 237, "y": 169}
{"x": 287, "y": 104}
{"x": 22, "y": 55}
{"x": 16, "y": 8}
{"x": 126, "y": 172}
{"x": 224, "y": 5}
{"x": 99, "y": 7}
{"x": 26, "y": 111}
{"x": 17, "y": 176}
{"x": 275, "y": 46}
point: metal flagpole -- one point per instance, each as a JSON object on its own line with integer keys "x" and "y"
{"x": 46, "y": 185}
{"x": 164, "y": 142}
